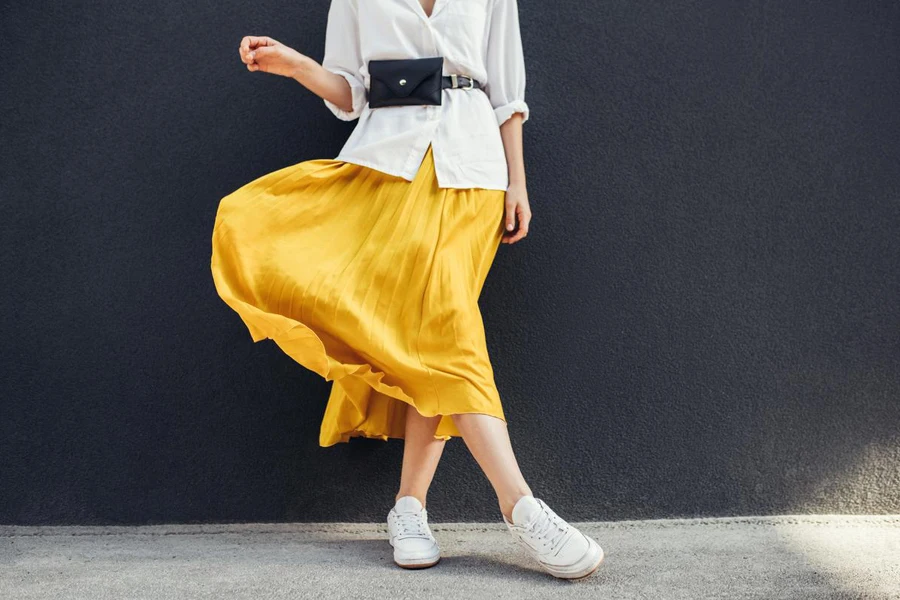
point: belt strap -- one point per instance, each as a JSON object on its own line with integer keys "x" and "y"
{"x": 462, "y": 81}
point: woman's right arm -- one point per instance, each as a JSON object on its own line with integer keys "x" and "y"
{"x": 336, "y": 80}
{"x": 331, "y": 87}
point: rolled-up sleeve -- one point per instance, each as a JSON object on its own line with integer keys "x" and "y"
{"x": 343, "y": 56}
{"x": 505, "y": 62}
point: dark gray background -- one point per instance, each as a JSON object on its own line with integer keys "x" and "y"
{"x": 703, "y": 320}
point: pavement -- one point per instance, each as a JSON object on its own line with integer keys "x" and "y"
{"x": 793, "y": 556}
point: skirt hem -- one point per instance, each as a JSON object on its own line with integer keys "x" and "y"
{"x": 345, "y": 436}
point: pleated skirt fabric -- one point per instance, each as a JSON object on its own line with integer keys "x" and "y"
{"x": 371, "y": 281}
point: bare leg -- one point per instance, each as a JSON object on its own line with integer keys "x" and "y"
{"x": 488, "y": 440}
{"x": 421, "y": 453}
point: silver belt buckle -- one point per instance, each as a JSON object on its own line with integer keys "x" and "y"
{"x": 455, "y": 81}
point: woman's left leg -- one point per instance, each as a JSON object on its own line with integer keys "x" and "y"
{"x": 487, "y": 438}
{"x": 421, "y": 454}
{"x": 559, "y": 547}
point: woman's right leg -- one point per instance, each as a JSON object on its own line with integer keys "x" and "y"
{"x": 414, "y": 545}
{"x": 421, "y": 454}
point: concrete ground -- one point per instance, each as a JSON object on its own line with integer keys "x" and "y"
{"x": 797, "y": 557}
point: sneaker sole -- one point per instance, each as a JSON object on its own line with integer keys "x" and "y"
{"x": 416, "y": 563}
{"x": 413, "y": 565}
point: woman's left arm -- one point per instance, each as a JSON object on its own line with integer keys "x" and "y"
{"x": 517, "y": 192}
{"x": 505, "y": 65}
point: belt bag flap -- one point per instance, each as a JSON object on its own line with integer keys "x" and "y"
{"x": 424, "y": 73}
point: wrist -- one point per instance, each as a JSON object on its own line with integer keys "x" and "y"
{"x": 303, "y": 66}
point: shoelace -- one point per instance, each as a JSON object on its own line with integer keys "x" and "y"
{"x": 549, "y": 522}
{"x": 412, "y": 525}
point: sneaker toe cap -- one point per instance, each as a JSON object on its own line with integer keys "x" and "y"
{"x": 414, "y": 547}
{"x": 575, "y": 549}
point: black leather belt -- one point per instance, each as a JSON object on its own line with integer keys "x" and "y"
{"x": 459, "y": 81}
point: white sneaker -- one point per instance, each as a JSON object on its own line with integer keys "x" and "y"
{"x": 414, "y": 546}
{"x": 560, "y": 548}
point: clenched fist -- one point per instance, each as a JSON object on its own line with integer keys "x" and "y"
{"x": 262, "y": 53}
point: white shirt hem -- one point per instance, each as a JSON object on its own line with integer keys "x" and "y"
{"x": 456, "y": 184}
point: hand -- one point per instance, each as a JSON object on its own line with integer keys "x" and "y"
{"x": 516, "y": 207}
{"x": 262, "y": 53}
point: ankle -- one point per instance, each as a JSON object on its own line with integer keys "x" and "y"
{"x": 507, "y": 503}
{"x": 420, "y": 497}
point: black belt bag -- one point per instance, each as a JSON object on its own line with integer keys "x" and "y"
{"x": 412, "y": 81}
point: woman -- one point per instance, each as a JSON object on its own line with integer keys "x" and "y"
{"x": 367, "y": 268}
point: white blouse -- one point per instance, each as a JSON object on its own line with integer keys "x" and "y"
{"x": 476, "y": 37}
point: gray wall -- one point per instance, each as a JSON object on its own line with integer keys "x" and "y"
{"x": 704, "y": 320}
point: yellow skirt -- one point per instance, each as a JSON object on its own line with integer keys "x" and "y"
{"x": 371, "y": 281}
